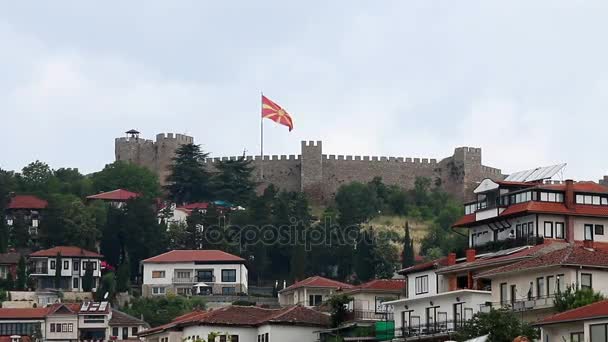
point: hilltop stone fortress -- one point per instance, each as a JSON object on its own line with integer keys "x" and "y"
{"x": 319, "y": 175}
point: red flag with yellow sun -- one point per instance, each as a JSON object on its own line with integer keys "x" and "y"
{"x": 274, "y": 112}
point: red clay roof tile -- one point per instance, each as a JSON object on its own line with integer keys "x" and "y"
{"x": 119, "y": 195}
{"x": 381, "y": 285}
{"x": 569, "y": 256}
{"x": 592, "y": 311}
{"x": 27, "y": 202}
{"x": 209, "y": 255}
{"x": 318, "y": 281}
{"x": 66, "y": 251}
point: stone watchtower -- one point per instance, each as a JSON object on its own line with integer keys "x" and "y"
{"x": 311, "y": 169}
{"x": 154, "y": 155}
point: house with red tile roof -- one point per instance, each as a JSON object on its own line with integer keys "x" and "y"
{"x": 310, "y": 292}
{"x": 526, "y": 211}
{"x": 26, "y": 210}
{"x": 368, "y": 298}
{"x": 530, "y": 285}
{"x": 244, "y": 323}
{"x": 71, "y": 322}
{"x": 586, "y": 323}
{"x": 73, "y": 264}
{"x": 194, "y": 272}
{"x": 432, "y": 304}
{"x": 116, "y": 197}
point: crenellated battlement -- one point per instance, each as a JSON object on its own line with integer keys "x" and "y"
{"x": 490, "y": 170}
{"x": 180, "y": 138}
{"x": 422, "y": 161}
{"x": 273, "y": 157}
{"x": 132, "y": 140}
{"x": 468, "y": 149}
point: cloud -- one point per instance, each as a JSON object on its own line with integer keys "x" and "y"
{"x": 525, "y": 82}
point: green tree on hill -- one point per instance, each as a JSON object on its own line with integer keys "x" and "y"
{"x": 189, "y": 180}
{"x": 408, "y": 257}
{"x": 233, "y": 181}
{"x": 128, "y": 176}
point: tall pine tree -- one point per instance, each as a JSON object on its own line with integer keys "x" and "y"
{"x": 189, "y": 180}
{"x": 233, "y": 181}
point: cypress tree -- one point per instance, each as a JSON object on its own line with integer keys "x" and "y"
{"x": 408, "y": 248}
{"x": 87, "y": 280}
{"x": 58, "y": 271}
{"x": 21, "y": 274}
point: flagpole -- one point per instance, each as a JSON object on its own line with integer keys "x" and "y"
{"x": 262, "y": 136}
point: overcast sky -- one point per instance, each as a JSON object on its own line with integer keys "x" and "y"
{"x": 527, "y": 81}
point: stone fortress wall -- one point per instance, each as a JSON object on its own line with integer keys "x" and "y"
{"x": 320, "y": 175}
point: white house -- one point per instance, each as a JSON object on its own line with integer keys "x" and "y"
{"x": 585, "y": 324}
{"x": 243, "y": 324}
{"x": 194, "y": 272}
{"x": 312, "y": 291}
{"x": 74, "y": 262}
{"x": 529, "y": 286}
{"x": 432, "y": 304}
{"x": 525, "y": 211}
{"x": 90, "y": 321}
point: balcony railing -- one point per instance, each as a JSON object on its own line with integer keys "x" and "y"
{"x": 436, "y": 328}
{"x": 362, "y": 315}
{"x": 192, "y": 280}
{"x": 521, "y": 305}
{"x": 38, "y": 270}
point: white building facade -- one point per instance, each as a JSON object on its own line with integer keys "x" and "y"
{"x": 194, "y": 272}
{"x": 73, "y": 265}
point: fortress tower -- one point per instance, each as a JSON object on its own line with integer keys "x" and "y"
{"x": 155, "y": 155}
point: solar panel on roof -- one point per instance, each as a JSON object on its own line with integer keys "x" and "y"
{"x": 85, "y": 306}
{"x": 537, "y": 174}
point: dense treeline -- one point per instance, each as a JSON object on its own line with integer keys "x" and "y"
{"x": 274, "y": 231}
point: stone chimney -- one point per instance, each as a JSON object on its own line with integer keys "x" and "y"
{"x": 452, "y": 259}
{"x": 569, "y": 194}
{"x": 569, "y": 202}
{"x": 470, "y": 255}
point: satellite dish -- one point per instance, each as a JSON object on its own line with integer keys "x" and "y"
{"x": 105, "y": 296}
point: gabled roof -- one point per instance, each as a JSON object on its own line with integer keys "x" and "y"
{"x": 27, "y": 202}
{"x": 66, "y": 251}
{"x": 380, "y": 285}
{"x": 429, "y": 265}
{"x": 503, "y": 257}
{"x": 584, "y": 186}
{"x": 118, "y": 195}
{"x": 124, "y": 319}
{"x": 596, "y": 310}
{"x": 208, "y": 256}
{"x": 249, "y": 316}
{"x": 570, "y": 256}
{"x": 177, "y": 321}
{"x": 318, "y": 281}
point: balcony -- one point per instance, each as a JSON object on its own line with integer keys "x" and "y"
{"x": 440, "y": 328}
{"x": 521, "y": 305}
{"x": 38, "y": 269}
{"x": 192, "y": 280}
{"x": 363, "y": 315}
